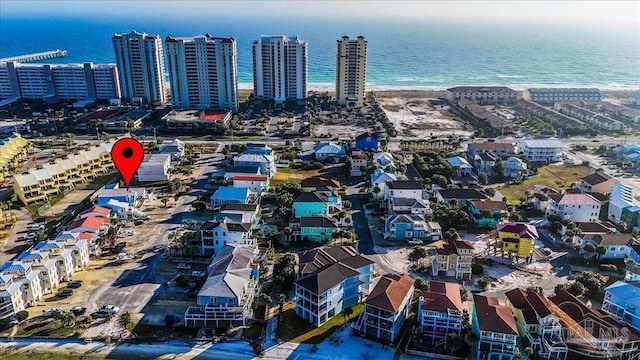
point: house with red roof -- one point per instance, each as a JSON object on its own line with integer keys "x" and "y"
{"x": 386, "y": 307}
{"x": 95, "y": 211}
{"x": 538, "y": 322}
{"x": 577, "y": 207}
{"x": 89, "y": 225}
{"x": 440, "y": 311}
{"x": 453, "y": 259}
{"x": 496, "y": 327}
{"x": 255, "y": 183}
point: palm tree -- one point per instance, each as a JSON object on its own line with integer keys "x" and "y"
{"x": 346, "y": 312}
{"x": 68, "y": 319}
{"x": 600, "y": 250}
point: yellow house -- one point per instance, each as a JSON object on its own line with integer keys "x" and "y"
{"x": 516, "y": 239}
{"x": 12, "y": 149}
{"x": 27, "y": 189}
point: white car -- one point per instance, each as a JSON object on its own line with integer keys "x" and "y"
{"x": 109, "y": 309}
{"x": 129, "y": 232}
{"x": 51, "y": 312}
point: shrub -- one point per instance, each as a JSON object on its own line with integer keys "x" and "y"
{"x": 22, "y": 315}
{"x": 477, "y": 269}
{"x": 5, "y": 323}
{"x": 484, "y": 283}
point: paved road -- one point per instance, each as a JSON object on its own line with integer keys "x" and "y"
{"x": 10, "y": 247}
{"x": 360, "y": 225}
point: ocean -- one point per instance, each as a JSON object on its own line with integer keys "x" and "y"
{"x": 402, "y": 54}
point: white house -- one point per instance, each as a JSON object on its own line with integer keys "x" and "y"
{"x": 256, "y": 183}
{"x": 40, "y": 260}
{"x": 460, "y": 165}
{"x": 62, "y": 254}
{"x": 30, "y": 279}
{"x": 12, "y": 299}
{"x": 380, "y": 179}
{"x": 154, "y": 167}
{"x": 514, "y": 167}
{"x": 384, "y": 161}
{"x": 409, "y": 206}
{"x": 403, "y": 189}
{"x": 577, "y": 207}
{"x": 216, "y": 234}
{"x": 358, "y": 162}
{"x": 547, "y": 151}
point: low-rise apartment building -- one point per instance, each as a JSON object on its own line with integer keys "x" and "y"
{"x": 488, "y": 94}
{"x": 551, "y": 95}
{"x": 12, "y": 149}
{"x": 386, "y": 308}
{"x": 494, "y": 148}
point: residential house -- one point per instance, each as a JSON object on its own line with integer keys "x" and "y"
{"x": 366, "y": 141}
{"x": 453, "y": 259}
{"x": 41, "y": 261}
{"x": 379, "y": 180}
{"x": 133, "y": 196}
{"x": 632, "y": 272}
{"x": 174, "y": 148}
{"x": 578, "y": 207}
{"x": 265, "y": 162}
{"x": 328, "y": 151}
{"x": 411, "y": 228}
{"x": 465, "y": 181}
{"x": 403, "y": 189}
{"x": 459, "y": 197}
{"x": 154, "y": 167}
{"x": 515, "y": 239}
{"x": 319, "y": 184}
{"x": 358, "y": 162}
{"x": 460, "y": 165}
{"x": 330, "y": 279}
{"x": 314, "y": 228}
{"x": 28, "y": 276}
{"x": 440, "y": 311}
{"x": 384, "y": 161}
{"x": 598, "y": 182}
{"x": 95, "y": 211}
{"x": 487, "y": 213}
{"x": 594, "y": 333}
{"x": 11, "y": 296}
{"x": 494, "y": 148}
{"x": 484, "y": 163}
{"x": 540, "y": 200}
{"x": 255, "y": 183}
{"x": 409, "y": 206}
{"x": 622, "y": 301}
{"x": 496, "y": 327}
{"x": 310, "y": 204}
{"x": 546, "y": 151}
{"x": 93, "y": 225}
{"x": 538, "y": 322}
{"x": 514, "y": 167}
{"x": 214, "y": 235}
{"x": 226, "y": 297}
{"x": 386, "y": 308}
{"x": 232, "y": 195}
{"x": 248, "y": 212}
{"x": 62, "y": 254}
{"x": 618, "y": 245}
{"x": 232, "y": 171}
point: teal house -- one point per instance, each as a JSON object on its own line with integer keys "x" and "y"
{"x": 487, "y": 214}
{"x": 308, "y": 204}
{"x": 315, "y": 228}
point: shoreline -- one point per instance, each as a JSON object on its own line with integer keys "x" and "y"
{"x": 417, "y": 88}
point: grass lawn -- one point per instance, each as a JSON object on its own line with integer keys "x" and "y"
{"x": 551, "y": 176}
{"x": 47, "y": 355}
{"x": 52, "y": 328}
{"x": 295, "y": 329}
{"x": 296, "y": 175}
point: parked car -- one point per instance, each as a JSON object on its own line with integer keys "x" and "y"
{"x": 183, "y": 266}
{"x": 172, "y": 319}
{"x": 129, "y": 233}
{"x": 109, "y": 309}
{"x": 51, "y": 311}
{"x": 98, "y": 315}
{"x": 64, "y": 293}
{"x": 78, "y": 310}
{"x": 75, "y": 284}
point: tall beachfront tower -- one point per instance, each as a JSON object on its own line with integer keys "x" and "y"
{"x": 203, "y": 72}
{"x": 140, "y": 64}
{"x": 280, "y": 68}
{"x": 351, "y": 70}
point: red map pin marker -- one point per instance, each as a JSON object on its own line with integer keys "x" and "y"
{"x": 127, "y": 155}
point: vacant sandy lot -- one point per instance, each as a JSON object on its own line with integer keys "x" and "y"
{"x": 414, "y": 116}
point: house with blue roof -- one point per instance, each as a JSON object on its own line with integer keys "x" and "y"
{"x": 258, "y": 148}
{"x": 460, "y": 165}
{"x": 231, "y": 195}
{"x": 28, "y": 276}
{"x": 366, "y": 141}
{"x": 328, "y": 151}
{"x": 379, "y": 179}
{"x": 265, "y": 162}
{"x": 622, "y": 301}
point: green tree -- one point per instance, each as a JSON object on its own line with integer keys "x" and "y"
{"x": 346, "y": 312}
{"x": 68, "y": 318}
{"x": 464, "y": 294}
{"x": 164, "y": 201}
{"x": 284, "y": 270}
{"x": 264, "y": 298}
{"x": 576, "y": 288}
{"x": 601, "y": 250}
{"x": 421, "y": 285}
{"x": 22, "y": 315}
{"x": 454, "y": 342}
{"x": 535, "y": 289}
{"x": 484, "y": 283}
{"x": 451, "y": 234}
{"x": 483, "y": 179}
{"x": 417, "y": 254}
{"x": 477, "y": 269}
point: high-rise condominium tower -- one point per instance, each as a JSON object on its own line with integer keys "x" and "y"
{"x": 280, "y": 68}
{"x": 351, "y": 70}
{"x": 203, "y": 72}
{"x": 140, "y": 66}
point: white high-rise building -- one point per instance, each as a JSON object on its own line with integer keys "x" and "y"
{"x": 140, "y": 66}
{"x": 203, "y": 72}
{"x": 52, "y": 83}
{"x": 351, "y": 70}
{"x": 280, "y": 68}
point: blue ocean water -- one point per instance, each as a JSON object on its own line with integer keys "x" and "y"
{"x": 410, "y": 55}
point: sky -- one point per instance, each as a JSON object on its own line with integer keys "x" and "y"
{"x": 607, "y": 12}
